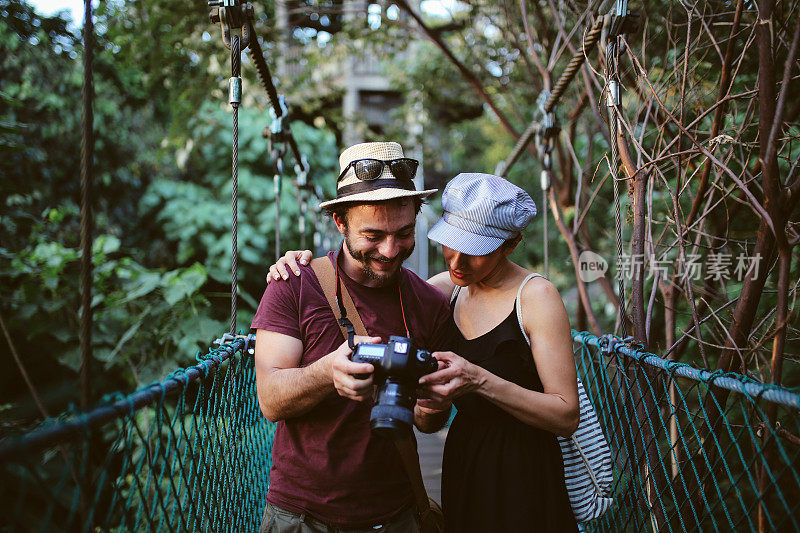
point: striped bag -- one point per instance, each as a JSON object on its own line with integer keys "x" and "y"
{"x": 588, "y": 470}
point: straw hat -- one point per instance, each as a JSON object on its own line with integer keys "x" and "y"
{"x": 385, "y": 187}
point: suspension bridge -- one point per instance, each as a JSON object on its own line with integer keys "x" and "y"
{"x": 192, "y": 452}
{"x": 693, "y": 450}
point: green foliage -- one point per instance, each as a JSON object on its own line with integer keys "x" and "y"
{"x": 161, "y": 196}
{"x": 194, "y": 211}
{"x": 127, "y": 297}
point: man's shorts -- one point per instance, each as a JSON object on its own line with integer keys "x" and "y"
{"x": 277, "y": 520}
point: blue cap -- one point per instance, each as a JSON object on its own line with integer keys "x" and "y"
{"x": 481, "y": 212}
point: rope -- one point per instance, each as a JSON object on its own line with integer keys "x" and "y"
{"x": 235, "y": 85}
{"x": 237, "y": 32}
{"x": 545, "y": 243}
{"x": 87, "y": 160}
{"x": 555, "y": 96}
{"x": 277, "y": 181}
{"x": 545, "y": 151}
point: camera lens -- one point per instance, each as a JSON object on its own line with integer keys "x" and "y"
{"x": 393, "y": 412}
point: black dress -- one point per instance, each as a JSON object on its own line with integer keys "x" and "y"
{"x": 500, "y": 475}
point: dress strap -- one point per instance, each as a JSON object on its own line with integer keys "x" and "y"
{"x": 518, "y": 303}
{"x": 453, "y": 296}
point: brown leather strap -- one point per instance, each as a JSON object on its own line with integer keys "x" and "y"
{"x": 407, "y": 447}
{"x": 324, "y": 269}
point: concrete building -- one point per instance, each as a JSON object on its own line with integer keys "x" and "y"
{"x": 367, "y": 97}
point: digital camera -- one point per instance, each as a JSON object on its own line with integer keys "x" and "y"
{"x": 398, "y": 367}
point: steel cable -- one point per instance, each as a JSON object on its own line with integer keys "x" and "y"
{"x": 87, "y": 159}
{"x": 612, "y": 86}
{"x": 236, "y": 69}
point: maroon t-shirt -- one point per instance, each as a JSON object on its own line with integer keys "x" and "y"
{"x": 326, "y": 462}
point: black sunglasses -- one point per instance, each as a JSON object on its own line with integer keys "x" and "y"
{"x": 404, "y": 169}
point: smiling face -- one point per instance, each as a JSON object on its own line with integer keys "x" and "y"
{"x": 378, "y": 238}
{"x": 468, "y": 269}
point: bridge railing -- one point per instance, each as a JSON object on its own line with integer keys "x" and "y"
{"x": 191, "y": 453}
{"x": 693, "y": 451}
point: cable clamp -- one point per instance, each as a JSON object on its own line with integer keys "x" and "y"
{"x": 277, "y": 151}
{"x": 547, "y": 123}
{"x": 609, "y": 343}
{"x": 613, "y": 98}
{"x": 226, "y": 338}
{"x": 249, "y": 341}
{"x": 301, "y": 169}
{"x": 235, "y": 91}
{"x": 619, "y": 21}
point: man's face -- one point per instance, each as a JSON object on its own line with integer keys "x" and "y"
{"x": 378, "y": 238}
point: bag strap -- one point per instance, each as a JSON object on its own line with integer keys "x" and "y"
{"x": 406, "y": 447}
{"x": 518, "y": 305}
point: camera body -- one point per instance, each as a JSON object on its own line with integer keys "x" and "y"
{"x": 398, "y": 367}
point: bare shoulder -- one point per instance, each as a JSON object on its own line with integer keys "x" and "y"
{"x": 540, "y": 291}
{"x": 542, "y": 304}
{"x": 442, "y": 282}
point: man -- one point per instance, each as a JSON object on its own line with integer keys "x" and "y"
{"x": 329, "y": 473}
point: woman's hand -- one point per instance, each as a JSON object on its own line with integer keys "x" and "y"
{"x": 279, "y": 270}
{"x": 456, "y": 376}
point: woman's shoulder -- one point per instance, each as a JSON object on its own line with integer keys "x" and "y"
{"x": 542, "y": 305}
{"x": 538, "y": 290}
{"x": 443, "y": 283}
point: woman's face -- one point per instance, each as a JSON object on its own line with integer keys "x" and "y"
{"x": 467, "y": 269}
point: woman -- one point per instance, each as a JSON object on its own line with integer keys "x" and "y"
{"x": 502, "y": 469}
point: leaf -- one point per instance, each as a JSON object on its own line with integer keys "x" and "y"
{"x": 249, "y": 300}
{"x": 180, "y": 284}
{"x": 71, "y": 358}
{"x": 201, "y": 329}
{"x": 131, "y": 331}
{"x": 144, "y": 283}
{"x": 105, "y": 244}
{"x": 63, "y": 333}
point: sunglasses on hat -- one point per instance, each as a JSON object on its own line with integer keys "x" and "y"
{"x": 404, "y": 168}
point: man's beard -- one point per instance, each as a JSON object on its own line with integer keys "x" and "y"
{"x": 381, "y": 279}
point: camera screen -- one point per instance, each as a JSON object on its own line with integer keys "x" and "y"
{"x": 371, "y": 350}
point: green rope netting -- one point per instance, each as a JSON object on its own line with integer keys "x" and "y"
{"x": 194, "y": 457}
{"x": 693, "y": 451}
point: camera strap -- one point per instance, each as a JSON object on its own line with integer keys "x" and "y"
{"x": 340, "y": 300}
{"x": 342, "y": 304}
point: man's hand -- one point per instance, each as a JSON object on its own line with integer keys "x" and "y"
{"x": 289, "y": 261}
{"x": 348, "y": 376}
